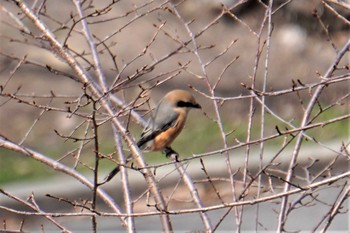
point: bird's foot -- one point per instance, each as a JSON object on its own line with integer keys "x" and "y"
{"x": 171, "y": 154}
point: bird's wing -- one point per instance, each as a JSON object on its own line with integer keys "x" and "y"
{"x": 162, "y": 119}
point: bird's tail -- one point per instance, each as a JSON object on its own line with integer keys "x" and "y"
{"x": 114, "y": 171}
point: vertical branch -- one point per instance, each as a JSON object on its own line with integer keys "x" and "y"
{"x": 97, "y": 159}
{"x": 252, "y": 108}
{"x": 90, "y": 40}
{"x": 251, "y": 105}
{"x": 262, "y": 121}
{"x": 124, "y": 177}
{"x": 194, "y": 193}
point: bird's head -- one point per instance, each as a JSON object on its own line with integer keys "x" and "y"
{"x": 181, "y": 99}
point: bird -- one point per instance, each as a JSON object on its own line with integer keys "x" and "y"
{"x": 167, "y": 121}
{"x": 165, "y": 124}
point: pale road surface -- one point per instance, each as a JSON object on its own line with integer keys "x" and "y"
{"x": 303, "y": 219}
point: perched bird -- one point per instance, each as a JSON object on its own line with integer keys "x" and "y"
{"x": 167, "y": 121}
{"x": 165, "y": 124}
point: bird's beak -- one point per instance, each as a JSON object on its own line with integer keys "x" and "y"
{"x": 197, "y": 106}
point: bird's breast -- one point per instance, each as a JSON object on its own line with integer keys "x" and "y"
{"x": 165, "y": 138}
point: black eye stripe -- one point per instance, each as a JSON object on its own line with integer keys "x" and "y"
{"x": 183, "y": 104}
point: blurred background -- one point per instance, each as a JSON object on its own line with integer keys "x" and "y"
{"x": 145, "y": 48}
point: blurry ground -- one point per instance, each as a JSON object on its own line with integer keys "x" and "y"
{"x": 180, "y": 199}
